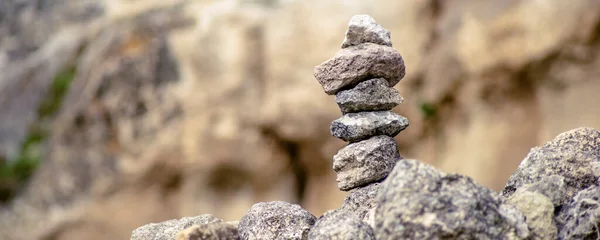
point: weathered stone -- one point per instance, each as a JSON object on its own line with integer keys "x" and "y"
{"x": 579, "y": 218}
{"x": 417, "y": 201}
{"x": 552, "y": 187}
{"x": 364, "y": 162}
{"x": 370, "y": 95}
{"x": 353, "y": 127}
{"x": 355, "y": 64}
{"x": 361, "y": 200}
{"x": 169, "y": 229}
{"x": 573, "y": 155}
{"x": 209, "y": 231}
{"x": 539, "y": 213}
{"x": 363, "y": 29}
{"x": 341, "y": 225}
{"x": 276, "y": 220}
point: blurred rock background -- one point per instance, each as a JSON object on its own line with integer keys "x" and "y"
{"x": 117, "y": 113}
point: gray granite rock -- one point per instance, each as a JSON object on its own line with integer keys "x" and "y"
{"x": 353, "y": 127}
{"x": 370, "y": 95}
{"x": 341, "y": 225}
{"x": 356, "y": 64}
{"x": 539, "y": 213}
{"x": 362, "y": 29}
{"x": 417, "y": 201}
{"x": 361, "y": 200}
{"x": 552, "y": 186}
{"x": 573, "y": 155}
{"x": 276, "y": 220}
{"x": 365, "y": 162}
{"x": 168, "y": 230}
{"x": 210, "y": 231}
{"x": 580, "y": 218}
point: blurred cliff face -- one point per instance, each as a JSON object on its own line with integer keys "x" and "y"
{"x": 144, "y": 110}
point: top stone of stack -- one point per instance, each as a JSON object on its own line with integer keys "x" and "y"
{"x": 366, "y": 53}
{"x": 364, "y": 29}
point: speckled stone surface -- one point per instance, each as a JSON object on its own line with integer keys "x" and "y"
{"x": 356, "y": 64}
{"x": 168, "y": 230}
{"x": 364, "y": 162}
{"x": 417, "y": 201}
{"x": 354, "y": 127}
{"x": 573, "y": 155}
{"x": 276, "y": 220}
{"x": 341, "y": 225}
{"x": 210, "y": 231}
{"x": 370, "y": 95}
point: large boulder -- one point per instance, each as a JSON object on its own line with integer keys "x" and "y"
{"x": 556, "y": 186}
{"x": 417, "y": 201}
{"x": 573, "y": 156}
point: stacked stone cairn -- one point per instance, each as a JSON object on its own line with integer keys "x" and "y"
{"x": 362, "y": 76}
{"x": 554, "y": 194}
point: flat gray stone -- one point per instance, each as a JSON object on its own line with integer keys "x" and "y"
{"x": 275, "y": 220}
{"x": 353, "y": 127}
{"x": 365, "y": 162}
{"x": 169, "y": 229}
{"x": 210, "y": 231}
{"x": 355, "y": 64}
{"x": 370, "y": 95}
{"x": 573, "y": 155}
{"x": 417, "y": 201}
{"x": 363, "y": 29}
{"x": 341, "y": 225}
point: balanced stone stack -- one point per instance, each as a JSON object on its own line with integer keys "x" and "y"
{"x": 362, "y": 76}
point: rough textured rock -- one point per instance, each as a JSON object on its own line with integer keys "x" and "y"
{"x": 579, "y": 218}
{"x": 276, "y": 220}
{"x": 370, "y": 95}
{"x": 539, "y": 213}
{"x": 365, "y": 162}
{"x": 169, "y": 229}
{"x": 364, "y": 29}
{"x": 361, "y": 200}
{"x": 341, "y": 225}
{"x": 417, "y": 201}
{"x": 552, "y": 186}
{"x": 573, "y": 155}
{"x": 210, "y": 231}
{"x": 353, "y": 127}
{"x": 355, "y": 64}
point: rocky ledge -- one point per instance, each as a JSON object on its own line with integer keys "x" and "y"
{"x": 554, "y": 193}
